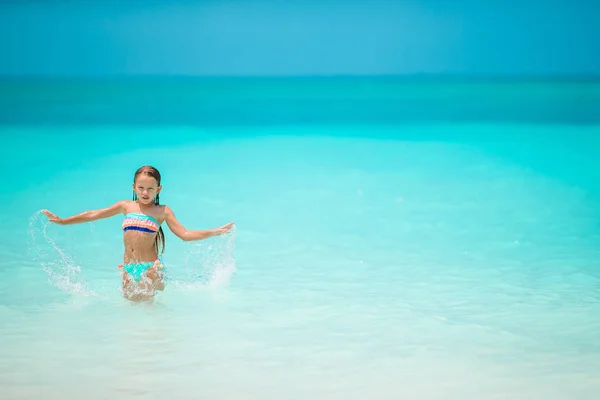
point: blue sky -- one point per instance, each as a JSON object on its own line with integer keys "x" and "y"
{"x": 310, "y": 37}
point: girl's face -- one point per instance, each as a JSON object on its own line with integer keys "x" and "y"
{"x": 146, "y": 188}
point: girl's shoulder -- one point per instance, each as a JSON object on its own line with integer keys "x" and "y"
{"x": 129, "y": 206}
{"x": 162, "y": 211}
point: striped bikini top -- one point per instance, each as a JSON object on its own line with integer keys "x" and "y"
{"x": 140, "y": 222}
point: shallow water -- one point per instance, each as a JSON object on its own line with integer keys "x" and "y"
{"x": 365, "y": 262}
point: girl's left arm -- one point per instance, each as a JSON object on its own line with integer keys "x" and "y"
{"x": 190, "y": 235}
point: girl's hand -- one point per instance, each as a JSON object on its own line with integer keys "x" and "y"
{"x": 52, "y": 217}
{"x": 223, "y": 229}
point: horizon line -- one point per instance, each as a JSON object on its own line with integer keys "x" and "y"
{"x": 494, "y": 76}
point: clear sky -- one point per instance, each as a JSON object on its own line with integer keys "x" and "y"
{"x": 307, "y": 37}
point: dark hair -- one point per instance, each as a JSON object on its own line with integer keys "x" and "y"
{"x": 153, "y": 172}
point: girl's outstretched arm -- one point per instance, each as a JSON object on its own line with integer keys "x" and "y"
{"x": 87, "y": 216}
{"x": 187, "y": 235}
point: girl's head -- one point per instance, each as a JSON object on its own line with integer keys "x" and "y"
{"x": 146, "y": 189}
{"x": 146, "y": 185}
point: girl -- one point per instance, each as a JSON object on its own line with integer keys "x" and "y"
{"x": 142, "y": 271}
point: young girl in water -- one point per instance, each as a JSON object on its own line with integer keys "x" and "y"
{"x": 143, "y": 237}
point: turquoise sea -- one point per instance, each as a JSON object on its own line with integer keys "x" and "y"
{"x": 395, "y": 238}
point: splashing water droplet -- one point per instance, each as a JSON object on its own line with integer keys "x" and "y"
{"x": 63, "y": 272}
{"x": 210, "y": 264}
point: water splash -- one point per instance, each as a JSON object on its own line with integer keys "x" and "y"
{"x": 62, "y": 270}
{"x": 210, "y": 263}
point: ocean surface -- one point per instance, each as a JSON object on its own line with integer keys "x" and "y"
{"x": 395, "y": 238}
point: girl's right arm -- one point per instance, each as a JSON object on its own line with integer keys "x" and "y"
{"x": 87, "y": 216}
